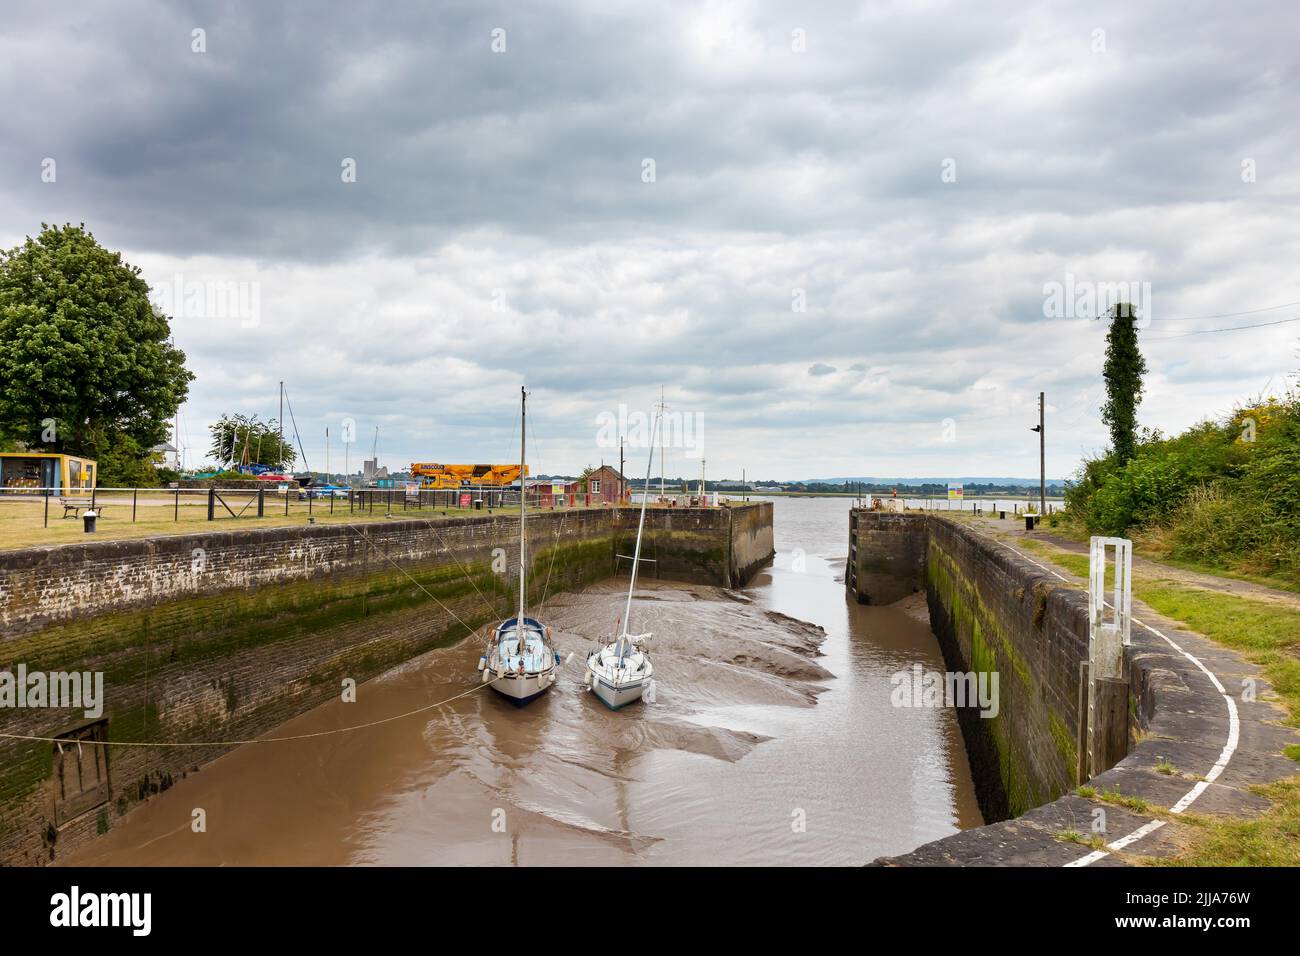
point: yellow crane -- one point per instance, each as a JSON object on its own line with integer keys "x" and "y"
{"x": 435, "y": 475}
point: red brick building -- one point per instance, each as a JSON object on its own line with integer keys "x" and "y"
{"x": 603, "y": 486}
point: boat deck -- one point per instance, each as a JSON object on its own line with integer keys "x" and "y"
{"x": 534, "y": 654}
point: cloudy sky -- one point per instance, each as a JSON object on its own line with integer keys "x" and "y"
{"x": 831, "y": 232}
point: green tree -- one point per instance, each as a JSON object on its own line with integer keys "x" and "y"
{"x": 1123, "y": 373}
{"x": 85, "y": 359}
{"x": 123, "y": 464}
{"x": 232, "y": 434}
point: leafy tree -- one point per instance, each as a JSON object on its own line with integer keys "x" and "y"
{"x": 85, "y": 358}
{"x": 1123, "y": 373}
{"x": 232, "y": 434}
{"x": 123, "y": 464}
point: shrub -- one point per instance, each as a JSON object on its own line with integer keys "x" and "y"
{"x": 1222, "y": 493}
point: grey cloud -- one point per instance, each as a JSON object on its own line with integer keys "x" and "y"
{"x": 820, "y": 171}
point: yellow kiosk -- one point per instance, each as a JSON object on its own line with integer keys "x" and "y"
{"x": 32, "y": 472}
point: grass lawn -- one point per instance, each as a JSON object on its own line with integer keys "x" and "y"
{"x": 1266, "y": 634}
{"x": 22, "y": 523}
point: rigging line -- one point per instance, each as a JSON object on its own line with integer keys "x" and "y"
{"x": 369, "y": 544}
{"x": 296, "y": 436}
{"x": 268, "y": 740}
{"x": 254, "y": 740}
{"x": 434, "y": 528}
{"x": 554, "y": 551}
{"x": 1233, "y": 328}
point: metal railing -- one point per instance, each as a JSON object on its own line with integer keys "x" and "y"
{"x": 216, "y": 503}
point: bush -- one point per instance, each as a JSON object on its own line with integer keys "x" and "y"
{"x": 1222, "y": 493}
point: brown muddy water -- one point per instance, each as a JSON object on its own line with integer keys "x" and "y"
{"x": 771, "y": 741}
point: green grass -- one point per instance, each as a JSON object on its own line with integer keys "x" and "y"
{"x": 1074, "y": 836}
{"x": 1136, "y": 804}
{"x": 1271, "y": 839}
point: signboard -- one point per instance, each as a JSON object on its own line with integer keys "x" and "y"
{"x": 955, "y": 490}
{"x": 412, "y": 489}
{"x": 282, "y": 488}
{"x": 464, "y": 499}
{"x": 557, "y": 489}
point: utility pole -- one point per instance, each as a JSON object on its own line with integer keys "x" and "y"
{"x": 662, "y": 408}
{"x": 701, "y": 480}
{"x": 1042, "y": 454}
{"x": 622, "y": 481}
{"x": 279, "y": 452}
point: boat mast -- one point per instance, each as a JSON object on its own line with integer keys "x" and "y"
{"x": 636, "y": 555}
{"x": 661, "y": 451}
{"x": 523, "y": 542}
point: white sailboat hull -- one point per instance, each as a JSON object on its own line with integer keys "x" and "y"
{"x": 619, "y": 681}
{"x": 519, "y": 690}
{"x": 616, "y": 696}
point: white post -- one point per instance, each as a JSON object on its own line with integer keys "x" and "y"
{"x": 1108, "y": 636}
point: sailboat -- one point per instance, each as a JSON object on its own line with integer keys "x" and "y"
{"x": 520, "y": 660}
{"x": 620, "y": 672}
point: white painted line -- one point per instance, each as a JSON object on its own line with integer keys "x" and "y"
{"x": 1229, "y": 747}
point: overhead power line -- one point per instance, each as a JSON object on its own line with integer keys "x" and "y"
{"x": 1231, "y": 328}
{"x": 1229, "y": 315}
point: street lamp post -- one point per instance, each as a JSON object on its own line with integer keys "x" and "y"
{"x": 1042, "y": 455}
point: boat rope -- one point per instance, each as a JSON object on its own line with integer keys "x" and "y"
{"x": 365, "y": 537}
{"x": 239, "y": 743}
{"x": 555, "y": 549}
{"x": 434, "y": 528}
{"x": 263, "y": 740}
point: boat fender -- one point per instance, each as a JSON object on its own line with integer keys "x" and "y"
{"x": 482, "y": 663}
{"x": 566, "y": 660}
{"x": 557, "y": 657}
{"x": 586, "y": 678}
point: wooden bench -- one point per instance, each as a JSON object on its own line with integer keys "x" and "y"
{"x": 77, "y": 505}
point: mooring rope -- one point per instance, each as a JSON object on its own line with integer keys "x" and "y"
{"x": 370, "y": 545}
{"x": 434, "y": 528}
{"x": 268, "y": 740}
{"x": 554, "y": 551}
{"x": 240, "y": 743}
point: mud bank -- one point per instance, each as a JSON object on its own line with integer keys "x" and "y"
{"x": 223, "y": 635}
{"x": 478, "y": 781}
